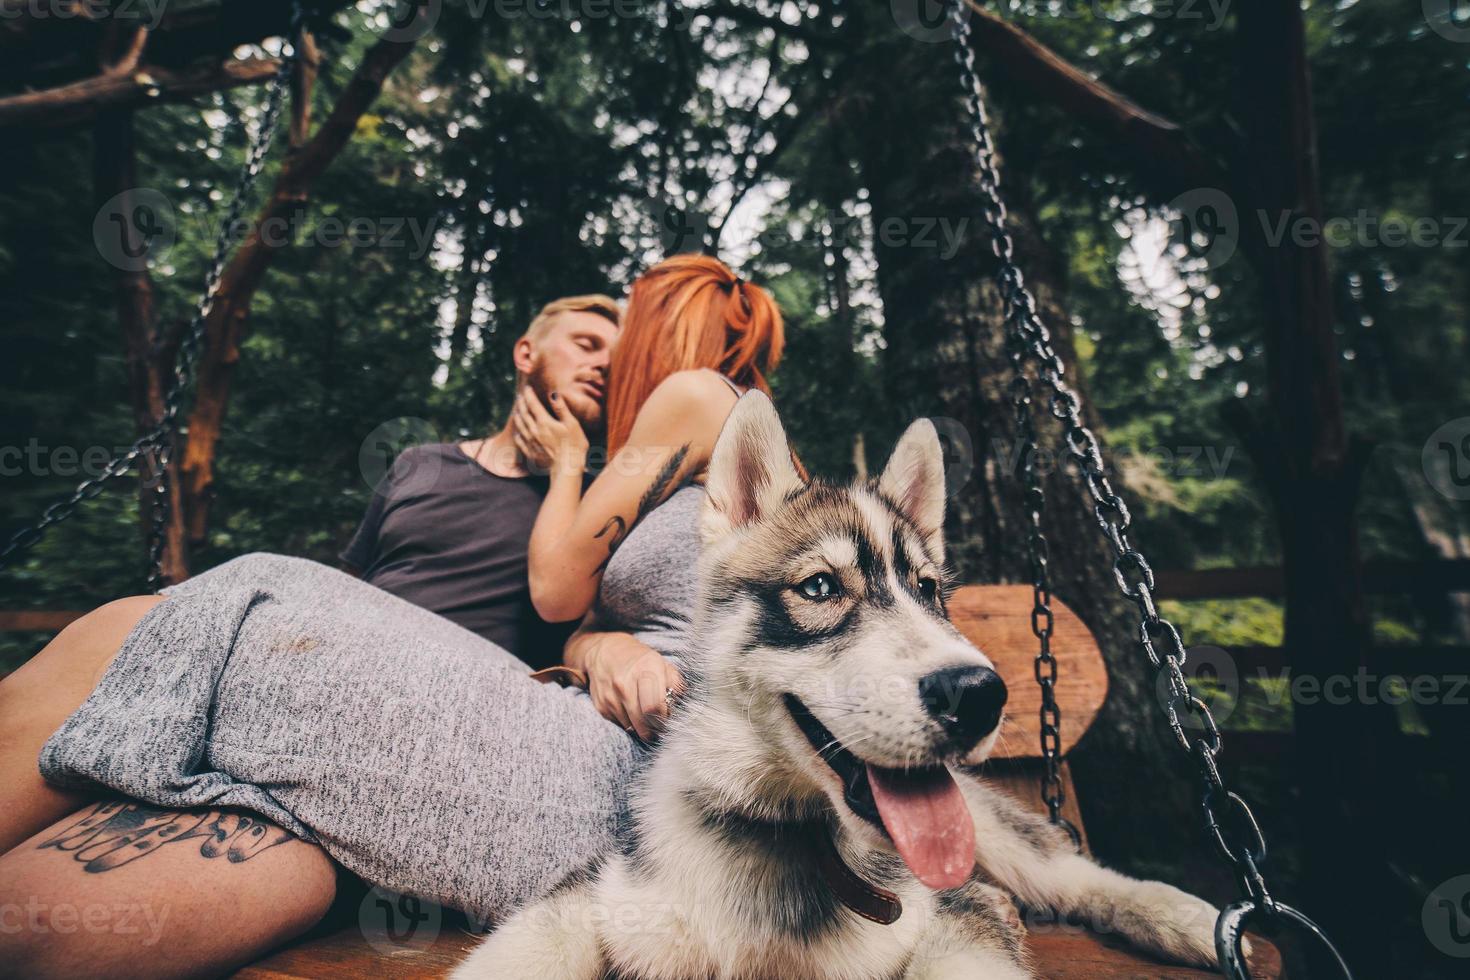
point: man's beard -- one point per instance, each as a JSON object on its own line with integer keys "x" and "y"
{"x": 541, "y": 385}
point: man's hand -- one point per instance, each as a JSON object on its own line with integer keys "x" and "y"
{"x": 627, "y": 680}
{"x": 552, "y": 441}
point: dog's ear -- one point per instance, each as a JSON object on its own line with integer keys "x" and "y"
{"x": 750, "y": 471}
{"x": 914, "y": 480}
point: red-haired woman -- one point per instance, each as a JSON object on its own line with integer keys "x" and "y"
{"x": 227, "y": 750}
{"x": 695, "y": 336}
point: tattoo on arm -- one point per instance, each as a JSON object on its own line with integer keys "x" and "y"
{"x": 112, "y": 834}
{"x": 619, "y": 529}
{"x": 652, "y": 497}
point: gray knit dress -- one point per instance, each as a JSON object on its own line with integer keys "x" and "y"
{"x": 420, "y": 756}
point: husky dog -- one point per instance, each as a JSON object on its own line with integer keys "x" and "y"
{"x": 817, "y": 778}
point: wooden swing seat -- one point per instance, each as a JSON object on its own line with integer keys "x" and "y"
{"x": 997, "y": 618}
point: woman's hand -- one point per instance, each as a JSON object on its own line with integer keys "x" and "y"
{"x": 552, "y": 441}
{"x": 628, "y": 681}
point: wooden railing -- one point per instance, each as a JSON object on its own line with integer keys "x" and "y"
{"x": 1427, "y": 578}
{"x": 1379, "y": 578}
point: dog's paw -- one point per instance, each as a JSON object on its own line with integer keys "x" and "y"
{"x": 1169, "y": 922}
{"x": 968, "y": 965}
{"x": 543, "y": 940}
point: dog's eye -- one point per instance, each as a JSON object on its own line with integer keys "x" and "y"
{"x": 928, "y": 589}
{"x": 818, "y": 586}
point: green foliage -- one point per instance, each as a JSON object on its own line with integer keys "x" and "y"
{"x": 1227, "y": 622}
{"x": 539, "y": 157}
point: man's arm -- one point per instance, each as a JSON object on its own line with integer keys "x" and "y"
{"x": 626, "y": 677}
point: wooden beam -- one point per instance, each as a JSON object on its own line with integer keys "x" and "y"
{"x": 1379, "y": 578}
{"x": 81, "y": 101}
{"x": 1159, "y": 150}
{"x": 48, "y": 51}
{"x": 1405, "y": 660}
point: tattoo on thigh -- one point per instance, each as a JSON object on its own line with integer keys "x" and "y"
{"x": 112, "y": 834}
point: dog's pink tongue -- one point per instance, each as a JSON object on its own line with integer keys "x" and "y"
{"x": 927, "y": 818}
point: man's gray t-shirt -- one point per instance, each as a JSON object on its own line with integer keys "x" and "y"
{"x": 446, "y": 534}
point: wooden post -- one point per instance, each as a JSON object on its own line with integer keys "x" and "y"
{"x": 1312, "y": 471}
{"x": 148, "y": 357}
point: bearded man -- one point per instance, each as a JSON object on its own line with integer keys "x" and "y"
{"x": 448, "y": 527}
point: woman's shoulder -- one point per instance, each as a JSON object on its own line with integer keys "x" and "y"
{"x": 695, "y": 385}
{"x": 688, "y": 406}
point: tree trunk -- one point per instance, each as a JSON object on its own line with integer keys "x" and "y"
{"x": 148, "y": 357}
{"x": 229, "y": 320}
{"x": 946, "y": 356}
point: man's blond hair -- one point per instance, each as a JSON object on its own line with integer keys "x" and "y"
{"x": 603, "y": 306}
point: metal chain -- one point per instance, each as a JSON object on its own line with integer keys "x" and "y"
{"x": 1031, "y": 342}
{"x": 1019, "y": 349}
{"x": 157, "y": 443}
{"x": 1042, "y": 622}
{"x": 1228, "y": 818}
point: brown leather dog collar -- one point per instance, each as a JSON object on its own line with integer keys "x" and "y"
{"x": 869, "y": 901}
{"x": 563, "y": 675}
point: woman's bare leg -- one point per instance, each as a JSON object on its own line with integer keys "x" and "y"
{"x": 123, "y": 889}
{"x": 120, "y": 888}
{"x": 38, "y": 697}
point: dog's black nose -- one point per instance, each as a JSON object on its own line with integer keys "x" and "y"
{"x": 965, "y": 700}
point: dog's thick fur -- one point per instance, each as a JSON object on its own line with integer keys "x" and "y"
{"x": 717, "y": 874}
